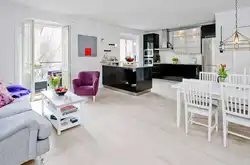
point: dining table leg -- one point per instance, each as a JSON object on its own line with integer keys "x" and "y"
{"x": 178, "y": 116}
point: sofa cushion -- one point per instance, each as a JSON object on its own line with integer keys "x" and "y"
{"x": 85, "y": 90}
{"x": 18, "y": 91}
{"x": 5, "y": 97}
{"x": 4, "y": 100}
{"x": 16, "y": 107}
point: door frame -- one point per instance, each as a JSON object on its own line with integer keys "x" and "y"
{"x": 19, "y": 49}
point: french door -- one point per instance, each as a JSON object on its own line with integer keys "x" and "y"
{"x": 28, "y": 51}
{"x": 28, "y": 78}
{"x": 66, "y": 57}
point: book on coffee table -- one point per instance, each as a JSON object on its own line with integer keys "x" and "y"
{"x": 68, "y": 109}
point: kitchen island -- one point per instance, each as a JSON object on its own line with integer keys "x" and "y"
{"x": 176, "y": 72}
{"x": 135, "y": 80}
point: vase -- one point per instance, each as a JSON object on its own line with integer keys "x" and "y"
{"x": 221, "y": 79}
{"x": 53, "y": 87}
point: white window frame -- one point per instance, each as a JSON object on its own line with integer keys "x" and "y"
{"x": 135, "y": 47}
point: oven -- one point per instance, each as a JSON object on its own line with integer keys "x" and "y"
{"x": 148, "y": 53}
{"x": 148, "y": 62}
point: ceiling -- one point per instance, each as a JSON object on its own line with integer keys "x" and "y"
{"x": 140, "y": 14}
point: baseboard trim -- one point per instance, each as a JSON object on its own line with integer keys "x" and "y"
{"x": 127, "y": 92}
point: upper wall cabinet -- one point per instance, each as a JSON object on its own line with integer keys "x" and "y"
{"x": 151, "y": 41}
{"x": 187, "y": 41}
{"x": 208, "y": 31}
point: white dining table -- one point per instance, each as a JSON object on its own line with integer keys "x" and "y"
{"x": 216, "y": 92}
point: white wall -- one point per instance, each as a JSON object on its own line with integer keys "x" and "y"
{"x": 11, "y": 17}
{"x": 167, "y": 56}
{"x": 227, "y": 21}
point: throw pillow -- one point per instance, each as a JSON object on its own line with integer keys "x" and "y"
{"x": 5, "y": 97}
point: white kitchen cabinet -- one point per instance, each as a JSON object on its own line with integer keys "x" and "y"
{"x": 187, "y": 41}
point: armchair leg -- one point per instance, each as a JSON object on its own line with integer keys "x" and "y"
{"x": 93, "y": 98}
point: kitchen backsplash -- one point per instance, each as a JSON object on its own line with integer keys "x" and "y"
{"x": 166, "y": 57}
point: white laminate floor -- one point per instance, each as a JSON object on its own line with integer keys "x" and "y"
{"x": 119, "y": 129}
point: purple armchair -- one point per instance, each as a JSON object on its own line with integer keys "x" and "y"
{"x": 86, "y": 84}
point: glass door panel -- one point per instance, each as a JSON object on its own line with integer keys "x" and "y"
{"x": 66, "y": 66}
{"x": 28, "y": 54}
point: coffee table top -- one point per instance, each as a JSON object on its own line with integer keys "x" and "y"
{"x": 60, "y": 101}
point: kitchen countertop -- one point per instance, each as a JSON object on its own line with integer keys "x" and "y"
{"x": 127, "y": 66}
{"x": 174, "y": 64}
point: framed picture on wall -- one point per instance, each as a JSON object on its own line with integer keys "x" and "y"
{"x": 87, "y": 46}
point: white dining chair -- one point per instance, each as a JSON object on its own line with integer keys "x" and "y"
{"x": 235, "y": 107}
{"x": 240, "y": 79}
{"x": 198, "y": 100}
{"x": 246, "y": 71}
{"x": 208, "y": 76}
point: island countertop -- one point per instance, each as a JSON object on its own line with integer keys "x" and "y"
{"x": 128, "y": 66}
{"x": 162, "y": 63}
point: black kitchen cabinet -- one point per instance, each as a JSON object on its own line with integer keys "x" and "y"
{"x": 208, "y": 31}
{"x": 135, "y": 80}
{"x": 176, "y": 72}
{"x": 151, "y": 41}
{"x": 157, "y": 71}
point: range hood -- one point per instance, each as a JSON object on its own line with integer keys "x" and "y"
{"x": 165, "y": 41}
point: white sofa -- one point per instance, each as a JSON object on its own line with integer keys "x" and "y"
{"x": 24, "y": 134}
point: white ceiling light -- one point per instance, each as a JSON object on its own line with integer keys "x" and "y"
{"x": 236, "y": 41}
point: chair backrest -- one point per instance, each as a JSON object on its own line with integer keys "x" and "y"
{"x": 198, "y": 93}
{"x": 235, "y": 99}
{"x": 240, "y": 79}
{"x": 208, "y": 76}
{"x": 88, "y": 77}
{"x": 246, "y": 71}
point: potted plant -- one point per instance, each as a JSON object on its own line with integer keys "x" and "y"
{"x": 175, "y": 60}
{"x": 222, "y": 72}
{"x": 54, "y": 81}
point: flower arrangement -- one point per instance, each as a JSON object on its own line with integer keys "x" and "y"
{"x": 175, "y": 60}
{"x": 222, "y": 72}
{"x": 54, "y": 81}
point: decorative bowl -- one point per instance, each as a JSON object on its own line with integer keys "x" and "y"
{"x": 61, "y": 91}
{"x": 129, "y": 59}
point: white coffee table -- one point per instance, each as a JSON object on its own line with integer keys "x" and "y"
{"x": 52, "y": 104}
